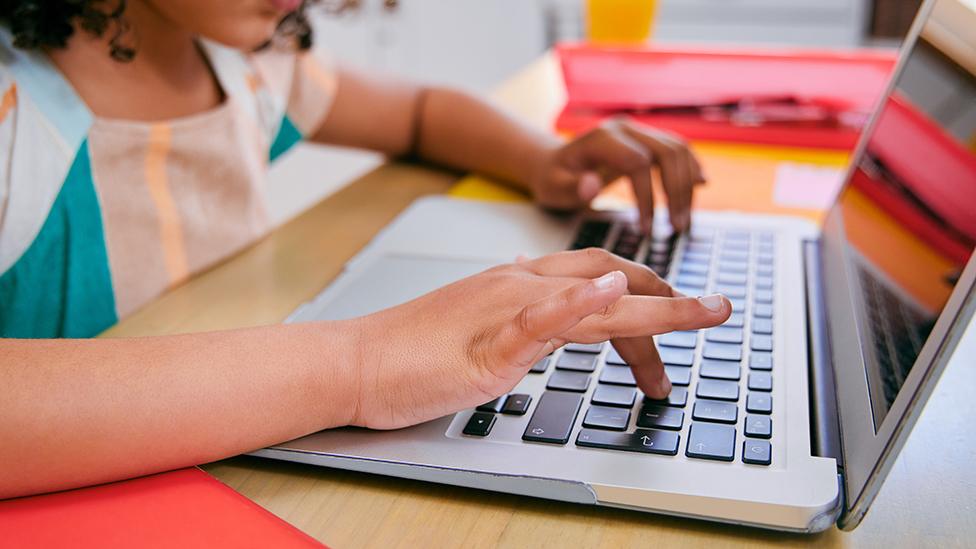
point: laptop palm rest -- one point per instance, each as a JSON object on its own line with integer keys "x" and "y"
{"x": 388, "y": 280}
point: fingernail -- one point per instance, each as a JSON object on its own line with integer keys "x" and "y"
{"x": 665, "y": 386}
{"x": 712, "y": 302}
{"x": 589, "y": 186}
{"x": 606, "y": 281}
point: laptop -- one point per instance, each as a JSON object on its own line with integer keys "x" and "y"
{"x": 788, "y": 416}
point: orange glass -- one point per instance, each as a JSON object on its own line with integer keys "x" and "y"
{"x": 620, "y": 21}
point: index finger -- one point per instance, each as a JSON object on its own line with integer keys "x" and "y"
{"x": 627, "y": 156}
{"x": 641, "y": 355}
{"x": 593, "y": 262}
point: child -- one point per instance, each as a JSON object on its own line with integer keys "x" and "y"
{"x": 134, "y": 137}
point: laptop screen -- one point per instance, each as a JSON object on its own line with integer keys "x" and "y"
{"x": 908, "y": 210}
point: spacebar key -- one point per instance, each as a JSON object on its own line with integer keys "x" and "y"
{"x": 553, "y": 418}
{"x": 650, "y": 441}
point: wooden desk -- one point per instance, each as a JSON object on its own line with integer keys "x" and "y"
{"x": 928, "y": 499}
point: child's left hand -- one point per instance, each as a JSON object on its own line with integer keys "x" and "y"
{"x": 574, "y": 173}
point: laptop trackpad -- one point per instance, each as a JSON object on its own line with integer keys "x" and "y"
{"x": 387, "y": 281}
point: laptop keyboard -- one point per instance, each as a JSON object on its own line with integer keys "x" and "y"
{"x": 733, "y": 362}
{"x": 898, "y": 331}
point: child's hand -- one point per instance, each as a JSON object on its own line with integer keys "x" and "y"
{"x": 472, "y": 341}
{"x": 572, "y": 175}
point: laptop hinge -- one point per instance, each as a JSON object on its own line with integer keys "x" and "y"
{"x": 824, "y": 421}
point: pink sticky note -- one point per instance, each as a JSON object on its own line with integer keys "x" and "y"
{"x": 806, "y": 185}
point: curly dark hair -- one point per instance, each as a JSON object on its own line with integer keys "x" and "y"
{"x": 50, "y": 23}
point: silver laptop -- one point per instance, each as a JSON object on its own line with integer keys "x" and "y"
{"x": 790, "y": 415}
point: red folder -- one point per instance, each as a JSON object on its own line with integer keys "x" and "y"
{"x": 801, "y": 98}
{"x": 186, "y": 509}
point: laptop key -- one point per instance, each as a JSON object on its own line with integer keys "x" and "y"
{"x": 760, "y": 381}
{"x": 735, "y": 320}
{"x": 761, "y": 361}
{"x": 710, "y": 441}
{"x": 494, "y": 406}
{"x": 764, "y": 282}
{"x": 676, "y": 357}
{"x": 591, "y": 234}
{"x": 584, "y": 347}
{"x": 541, "y": 366}
{"x": 553, "y": 418}
{"x": 648, "y": 441}
{"x": 613, "y": 357}
{"x": 761, "y": 342}
{"x": 722, "y": 351}
{"x": 759, "y": 403}
{"x": 719, "y": 369}
{"x": 736, "y": 245}
{"x": 731, "y": 291}
{"x": 660, "y": 417}
{"x": 569, "y": 381}
{"x": 692, "y": 281}
{"x": 713, "y": 410}
{"x": 724, "y": 334}
{"x": 699, "y": 246}
{"x": 718, "y": 389}
{"x": 737, "y": 267}
{"x": 759, "y": 426}
{"x": 735, "y": 279}
{"x": 517, "y": 404}
{"x": 763, "y": 310}
{"x": 734, "y": 255}
{"x": 613, "y": 395}
{"x": 617, "y": 375}
{"x": 684, "y": 340}
{"x": 677, "y": 398}
{"x": 757, "y": 452}
{"x": 762, "y": 326}
{"x": 764, "y": 270}
{"x": 603, "y": 417}
{"x": 763, "y": 296}
{"x": 738, "y": 304}
{"x": 692, "y": 257}
{"x": 479, "y": 425}
{"x": 700, "y": 269}
{"x": 679, "y": 375}
{"x": 577, "y": 362}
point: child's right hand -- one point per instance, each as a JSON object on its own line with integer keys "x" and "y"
{"x": 472, "y": 341}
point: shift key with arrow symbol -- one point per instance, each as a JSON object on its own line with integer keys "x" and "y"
{"x": 649, "y": 441}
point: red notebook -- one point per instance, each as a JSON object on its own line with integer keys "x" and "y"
{"x": 186, "y": 509}
{"x": 801, "y": 98}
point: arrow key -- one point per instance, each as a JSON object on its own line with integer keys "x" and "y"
{"x": 711, "y": 441}
{"x": 757, "y": 452}
{"x": 480, "y": 424}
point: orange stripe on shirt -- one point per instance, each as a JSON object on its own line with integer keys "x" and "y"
{"x": 170, "y": 227}
{"x": 322, "y": 78}
{"x": 8, "y": 102}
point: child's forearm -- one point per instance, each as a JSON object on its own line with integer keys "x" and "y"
{"x": 79, "y": 412}
{"x": 447, "y": 127}
{"x": 462, "y": 131}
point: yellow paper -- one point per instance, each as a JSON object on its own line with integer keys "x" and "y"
{"x": 476, "y": 187}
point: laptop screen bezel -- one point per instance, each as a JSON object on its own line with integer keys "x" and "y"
{"x": 869, "y": 454}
